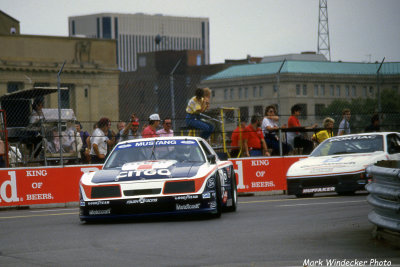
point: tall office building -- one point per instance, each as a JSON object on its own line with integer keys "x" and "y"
{"x": 140, "y": 33}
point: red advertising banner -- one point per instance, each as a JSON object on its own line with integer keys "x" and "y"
{"x": 48, "y": 185}
{"x": 262, "y": 174}
{"x": 30, "y": 186}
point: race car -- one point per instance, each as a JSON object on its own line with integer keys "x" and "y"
{"x": 338, "y": 164}
{"x": 154, "y": 176}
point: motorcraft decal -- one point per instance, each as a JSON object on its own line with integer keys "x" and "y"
{"x": 187, "y": 206}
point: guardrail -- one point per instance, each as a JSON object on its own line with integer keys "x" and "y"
{"x": 385, "y": 199}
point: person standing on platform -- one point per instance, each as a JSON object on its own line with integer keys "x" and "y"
{"x": 151, "y": 130}
{"x": 344, "y": 126}
{"x": 166, "y": 131}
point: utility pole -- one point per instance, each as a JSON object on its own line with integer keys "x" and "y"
{"x": 324, "y": 47}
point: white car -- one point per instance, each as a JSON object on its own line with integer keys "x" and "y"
{"x": 154, "y": 176}
{"x": 338, "y": 164}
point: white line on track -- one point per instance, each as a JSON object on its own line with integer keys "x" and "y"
{"x": 52, "y": 210}
{"x": 324, "y": 203}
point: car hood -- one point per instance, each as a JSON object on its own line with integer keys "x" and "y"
{"x": 331, "y": 165}
{"x": 148, "y": 170}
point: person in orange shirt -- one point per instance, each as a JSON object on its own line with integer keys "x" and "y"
{"x": 237, "y": 139}
{"x": 253, "y": 139}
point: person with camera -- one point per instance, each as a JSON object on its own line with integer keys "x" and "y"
{"x": 131, "y": 130}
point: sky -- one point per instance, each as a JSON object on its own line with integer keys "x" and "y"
{"x": 359, "y": 30}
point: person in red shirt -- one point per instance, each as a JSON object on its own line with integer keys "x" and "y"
{"x": 253, "y": 139}
{"x": 237, "y": 139}
{"x": 150, "y": 131}
{"x": 295, "y": 139}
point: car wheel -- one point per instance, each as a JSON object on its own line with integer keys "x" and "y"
{"x": 301, "y": 195}
{"x": 218, "y": 197}
{"x": 233, "y": 192}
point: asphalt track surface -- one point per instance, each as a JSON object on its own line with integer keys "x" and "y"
{"x": 265, "y": 231}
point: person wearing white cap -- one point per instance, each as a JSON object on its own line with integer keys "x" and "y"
{"x": 150, "y": 131}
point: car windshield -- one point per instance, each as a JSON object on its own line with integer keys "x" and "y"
{"x": 179, "y": 150}
{"x": 349, "y": 145}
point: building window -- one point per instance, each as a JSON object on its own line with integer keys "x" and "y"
{"x": 244, "y": 113}
{"x": 240, "y": 92}
{"x": 142, "y": 61}
{"x": 322, "y": 90}
{"x": 14, "y": 86}
{"x": 371, "y": 90}
{"x": 246, "y": 93}
{"x": 364, "y": 91}
{"x": 73, "y": 27}
{"x": 275, "y": 88}
{"x": 65, "y": 95}
{"x": 260, "y": 91}
{"x": 106, "y": 23}
{"x": 225, "y": 93}
{"x": 316, "y": 90}
{"x": 347, "y": 90}
{"x": 337, "y": 90}
{"x": 232, "y": 93}
{"x": 198, "y": 60}
{"x": 258, "y": 110}
{"x": 297, "y": 89}
{"x": 332, "y": 90}
{"x": 304, "y": 89}
{"x": 303, "y": 114}
{"x": 98, "y": 27}
{"x": 318, "y": 110}
{"x": 229, "y": 115}
{"x": 254, "y": 92}
{"x": 353, "y": 91}
{"x": 212, "y": 93}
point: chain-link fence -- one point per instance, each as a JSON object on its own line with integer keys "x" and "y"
{"x": 145, "y": 93}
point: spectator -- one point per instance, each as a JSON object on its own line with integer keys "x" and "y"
{"x": 2, "y": 154}
{"x": 84, "y": 135}
{"x": 99, "y": 141}
{"x": 150, "y": 131}
{"x": 120, "y": 126}
{"x": 344, "y": 126}
{"x": 375, "y": 124}
{"x": 295, "y": 139}
{"x": 166, "y": 131}
{"x": 253, "y": 140}
{"x": 237, "y": 139}
{"x": 130, "y": 131}
{"x": 270, "y": 127}
{"x": 37, "y": 112}
{"x": 320, "y": 136}
{"x": 196, "y": 105}
{"x": 111, "y": 138}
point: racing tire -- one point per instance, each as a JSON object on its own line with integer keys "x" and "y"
{"x": 218, "y": 198}
{"x": 233, "y": 192}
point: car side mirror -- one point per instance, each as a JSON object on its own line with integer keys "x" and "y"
{"x": 212, "y": 159}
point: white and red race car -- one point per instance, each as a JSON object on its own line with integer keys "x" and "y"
{"x": 152, "y": 176}
{"x": 338, "y": 164}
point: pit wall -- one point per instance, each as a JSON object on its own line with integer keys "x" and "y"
{"x": 46, "y": 186}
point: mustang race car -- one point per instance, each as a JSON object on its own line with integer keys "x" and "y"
{"x": 338, "y": 164}
{"x": 169, "y": 175}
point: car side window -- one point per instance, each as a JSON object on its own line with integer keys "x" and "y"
{"x": 393, "y": 143}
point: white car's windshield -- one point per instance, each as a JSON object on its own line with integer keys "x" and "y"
{"x": 349, "y": 145}
{"x": 179, "y": 150}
